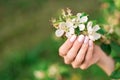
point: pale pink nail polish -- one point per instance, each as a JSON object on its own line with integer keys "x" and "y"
{"x": 81, "y": 38}
{"x": 72, "y": 39}
{"x": 86, "y": 40}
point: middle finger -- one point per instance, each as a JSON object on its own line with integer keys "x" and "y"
{"x": 74, "y": 50}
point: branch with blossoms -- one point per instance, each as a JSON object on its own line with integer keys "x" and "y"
{"x": 69, "y": 24}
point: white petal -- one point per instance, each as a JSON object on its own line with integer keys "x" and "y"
{"x": 89, "y": 25}
{"x": 96, "y": 28}
{"x": 81, "y": 27}
{"x": 73, "y": 20}
{"x": 59, "y": 32}
{"x": 71, "y": 30}
{"x": 68, "y": 34}
{"x": 83, "y": 19}
{"x": 62, "y": 24}
{"x": 75, "y": 26}
{"x": 79, "y": 14}
{"x": 69, "y": 24}
{"x": 97, "y": 36}
{"x": 91, "y": 37}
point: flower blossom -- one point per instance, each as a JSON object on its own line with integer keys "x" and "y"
{"x": 92, "y": 31}
{"x": 69, "y": 24}
{"x": 65, "y": 28}
{"x": 80, "y": 20}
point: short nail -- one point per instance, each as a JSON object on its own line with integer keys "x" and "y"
{"x": 72, "y": 39}
{"x": 86, "y": 40}
{"x": 90, "y": 43}
{"x": 81, "y": 38}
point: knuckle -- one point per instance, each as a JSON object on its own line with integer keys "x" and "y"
{"x": 66, "y": 62}
{"x": 83, "y": 67}
{"x": 79, "y": 59}
{"x": 74, "y": 66}
{"x": 76, "y": 63}
{"x": 67, "y": 59}
{"x": 61, "y": 51}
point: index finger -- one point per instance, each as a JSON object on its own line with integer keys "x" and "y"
{"x": 67, "y": 45}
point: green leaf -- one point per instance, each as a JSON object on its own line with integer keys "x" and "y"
{"x": 77, "y": 31}
{"x": 106, "y": 48}
{"x": 117, "y": 3}
{"x": 115, "y": 47}
{"x": 94, "y": 22}
{"x": 101, "y": 31}
{"x": 83, "y": 14}
{"x": 115, "y": 74}
{"x": 117, "y": 59}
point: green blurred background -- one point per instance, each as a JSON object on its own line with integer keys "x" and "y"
{"x": 28, "y": 46}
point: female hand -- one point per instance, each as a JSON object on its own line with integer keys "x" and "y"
{"x": 81, "y": 52}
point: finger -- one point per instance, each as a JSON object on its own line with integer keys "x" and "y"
{"x": 67, "y": 45}
{"x": 81, "y": 54}
{"x": 88, "y": 58}
{"x": 74, "y": 50}
{"x": 94, "y": 60}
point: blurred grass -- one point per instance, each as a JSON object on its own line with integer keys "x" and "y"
{"x": 26, "y": 36}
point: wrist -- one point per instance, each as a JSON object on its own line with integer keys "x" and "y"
{"x": 106, "y": 63}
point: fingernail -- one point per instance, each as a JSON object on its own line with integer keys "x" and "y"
{"x": 86, "y": 40}
{"x": 90, "y": 42}
{"x": 81, "y": 38}
{"x": 72, "y": 39}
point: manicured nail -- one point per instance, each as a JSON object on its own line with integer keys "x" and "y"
{"x": 90, "y": 42}
{"x": 72, "y": 39}
{"x": 86, "y": 40}
{"x": 81, "y": 38}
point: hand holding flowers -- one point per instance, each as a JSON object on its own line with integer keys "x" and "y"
{"x": 79, "y": 49}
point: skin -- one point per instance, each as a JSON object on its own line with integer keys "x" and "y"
{"x": 81, "y": 52}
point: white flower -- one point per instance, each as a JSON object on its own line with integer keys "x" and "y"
{"x": 82, "y": 19}
{"x": 59, "y": 32}
{"x": 69, "y": 23}
{"x": 39, "y": 74}
{"x": 53, "y": 71}
{"x": 81, "y": 27}
{"x": 70, "y": 32}
{"x": 79, "y": 21}
{"x": 65, "y": 28}
{"x": 92, "y": 31}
